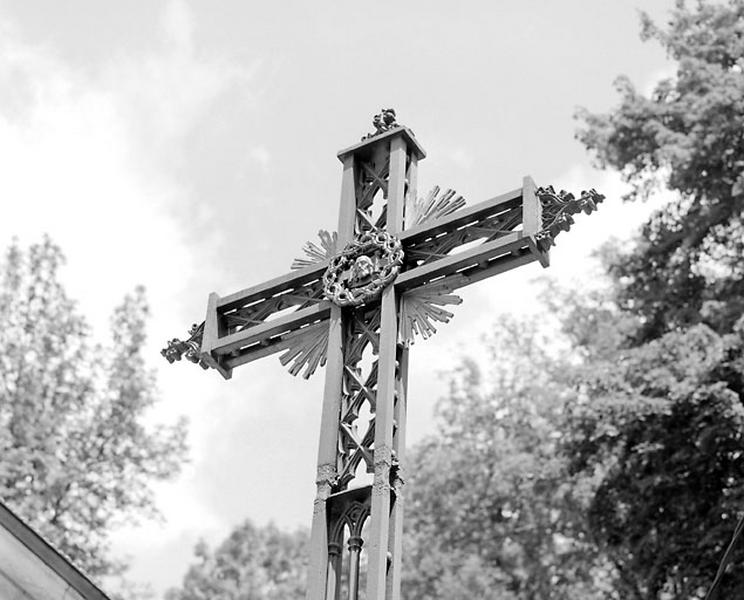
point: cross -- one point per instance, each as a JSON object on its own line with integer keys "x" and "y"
{"x": 354, "y": 304}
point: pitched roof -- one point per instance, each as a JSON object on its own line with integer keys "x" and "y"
{"x": 30, "y": 568}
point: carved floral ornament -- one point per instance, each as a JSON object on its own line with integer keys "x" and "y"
{"x": 363, "y": 268}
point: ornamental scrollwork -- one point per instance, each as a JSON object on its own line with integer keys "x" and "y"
{"x": 558, "y": 210}
{"x": 366, "y": 265}
{"x": 189, "y": 348}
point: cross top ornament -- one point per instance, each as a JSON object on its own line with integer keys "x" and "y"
{"x": 354, "y": 304}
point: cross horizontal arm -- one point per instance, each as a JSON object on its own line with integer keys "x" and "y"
{"x": 497, "y": 256}
{"x": 258, "y": 321}
{"x": 461, "y": 218}
{"x": 271, "y": 288}
{"x": 474, "y": 243}
{"x": 247, "y": 341}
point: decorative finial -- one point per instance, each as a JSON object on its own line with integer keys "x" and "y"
{"x": 558, "y": 210}
{"x": 382, "y": 122}
{"x": 190, "y": 348}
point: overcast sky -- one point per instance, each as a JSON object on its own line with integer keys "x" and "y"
{"x": 190, "y": 147}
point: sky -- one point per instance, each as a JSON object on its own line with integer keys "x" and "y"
{"x": 189, "y": 146}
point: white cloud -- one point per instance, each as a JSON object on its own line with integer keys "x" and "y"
{"x": 461, "y": 157}
{"x": 81, "y": 153}
{"x": 178, "y": 23}
{"x": 163, "y": 94}
{"x": 260, "y": 155}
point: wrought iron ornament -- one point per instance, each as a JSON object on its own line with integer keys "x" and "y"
{"x": 190, "y": 348}
{"x": 382, "y": 122}
{"x": 558, "y": 210}
{"x": 315, "y": 254}
{"x": 360, "y": 272}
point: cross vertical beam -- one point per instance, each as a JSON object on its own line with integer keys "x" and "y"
{"x": 327, "y": 470}
{"x": 400, "y": 411}
{"x": 380, "y": 557}
{"x": 378, "y": 184}
{"x": 396, "y": 479}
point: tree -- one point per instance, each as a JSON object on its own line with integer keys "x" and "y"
{"x": 253, "y": 563}
{"x": 76, "y": 458}
{"x": 663, "y": 431}
{"x": 661, "y": 418}
{"x": 491, "y": 511}
{"x": 688, "y": 135}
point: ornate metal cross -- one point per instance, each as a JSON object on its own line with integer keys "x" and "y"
{"x": 354, "y": 305}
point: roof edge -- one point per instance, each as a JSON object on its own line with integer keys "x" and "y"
{"x": 51, "y": 557}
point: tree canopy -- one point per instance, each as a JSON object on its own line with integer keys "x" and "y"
{"x": 76, "y": 456}
{"x": 688, "y": 135}
{"x": 253, "y": 563}
{"x": 662, "y": 416}
{"x": 491, "y": 509}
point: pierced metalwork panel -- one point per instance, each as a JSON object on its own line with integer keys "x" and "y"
{"x": 483, "y": 228}
{"x": 278, "y": 315}
{"x": 256, "y": 311}
{"x": 359, "y": 390}
{"x": 371, "y": 187}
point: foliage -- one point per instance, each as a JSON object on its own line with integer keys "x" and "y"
{"x": 665, "y": 431}
{"x": 491, "y": 511}
{"x": 686, "y": 267}
{"x": 660, "y": 422}
{"x": 253, "y": 563}
{"x": 650, "y": 444}
{"x": 75, "y": 456}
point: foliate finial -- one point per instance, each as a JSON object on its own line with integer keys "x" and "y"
{"x": 382, "y": 122}
{"x": 190, "y": 348}
{"x": 558, "y": 210}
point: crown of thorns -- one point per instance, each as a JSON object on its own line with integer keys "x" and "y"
{"x": 384, "y": 257}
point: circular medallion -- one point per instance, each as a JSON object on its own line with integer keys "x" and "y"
{"x": 361, "y": 270}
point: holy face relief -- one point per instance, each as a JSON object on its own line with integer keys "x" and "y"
{"x": 362, "y": 271}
